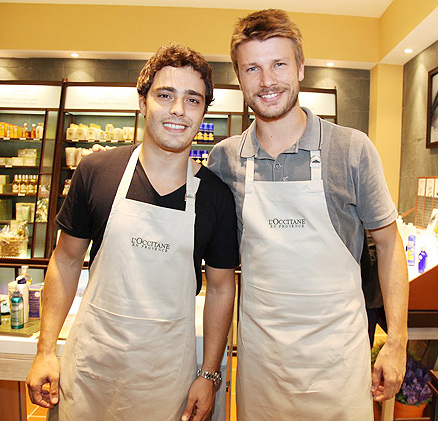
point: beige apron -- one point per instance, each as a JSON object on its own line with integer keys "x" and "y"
{"x": 303, "y": 349}
{"x": 131, "y": 352}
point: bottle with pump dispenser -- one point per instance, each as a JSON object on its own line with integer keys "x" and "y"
{"x": 23, "y": 287}
{"x": 17, "y": 311}
{"x": 12, "y": 286}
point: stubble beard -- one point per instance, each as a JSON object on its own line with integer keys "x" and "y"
{"x": 154, "y": 128}
{"x": 272, "y": 113}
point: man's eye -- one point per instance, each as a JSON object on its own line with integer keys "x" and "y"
{"x": 163, "y": 96}
{"x": 194, "y": 101}
{"x": 251, "y": 69}
{"x": 280, "y": 64}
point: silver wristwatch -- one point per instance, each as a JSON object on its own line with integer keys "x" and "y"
{"x": 215, "y": 377}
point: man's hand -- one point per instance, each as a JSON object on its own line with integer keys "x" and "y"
{"x": 389, "y": 371}
{"x": 45, "y": 369}
{"x": 200, "y": 400}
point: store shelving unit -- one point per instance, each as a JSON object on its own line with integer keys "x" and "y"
{"x": 90, "y": 103}
{"x": 28, "y": 103}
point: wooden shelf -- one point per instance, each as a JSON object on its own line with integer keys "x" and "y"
{"x": 17, "y": 195}
{"x": 103, "y": 143}
{"x": 18, "y": 166}
{"x": 27, "y": 140}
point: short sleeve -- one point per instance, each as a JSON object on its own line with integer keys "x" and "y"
{"x": 375, "y": 207}
{"x": 74, "y": 216}
{"x": 223, "y": 251}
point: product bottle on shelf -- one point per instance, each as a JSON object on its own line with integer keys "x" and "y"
{"x": 35, "y": 184}
{"x": 23, "y": 185}
{"x": 410, "y": 250}
{"x": 205, "y": 133}
{"x": 205, "y": 158}
{"x": 211, "y": 134}
{"x": 33, "y": 132}
{"x": 39, "y": 131}
{"x": 24, "y": 272}
{"x": 17, "y": 311}
{"x": 16, "y": 184}
{"x": 23, "y": 287}
{"x": 25, "y": 132}
{"x": 29, "y": 187}
{"x": 422, "y": 260}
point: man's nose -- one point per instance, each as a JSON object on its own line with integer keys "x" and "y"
{"x": 267, "y": 78}
{"x": 178, "y": 107}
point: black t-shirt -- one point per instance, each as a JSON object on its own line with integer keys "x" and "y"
{"x": 86, "y": 209}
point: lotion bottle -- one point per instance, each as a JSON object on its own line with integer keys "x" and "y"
{"x": 23, "y": 288}
{"x": 17, "y": 314}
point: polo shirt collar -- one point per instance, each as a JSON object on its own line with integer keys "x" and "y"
{"x": 309, "y": 141}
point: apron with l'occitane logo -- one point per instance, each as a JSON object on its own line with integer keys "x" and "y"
{"x": 303, "y": 349}
{"x": 131, "y": 352}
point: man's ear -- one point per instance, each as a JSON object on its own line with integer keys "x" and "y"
{"x": 301, "y": 72}
{"x": 142, "y": 104}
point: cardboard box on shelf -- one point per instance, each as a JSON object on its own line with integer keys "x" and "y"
{"x": 17, "y": 161}
{"x": 5, "y": 188}
{"x": 28, "y": 152}
{"x": 5, "y": 209}
{"x": 4, "y": 179}
{"x": 24, "y": 211}
{"x": 31, "y": 152}
{"x": 29, "y": 161}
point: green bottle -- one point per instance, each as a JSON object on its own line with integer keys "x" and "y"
{"x": 17, "y": 311}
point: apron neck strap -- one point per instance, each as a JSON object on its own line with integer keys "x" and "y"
{"x": 127, "y": 175}
{"x": 249, "y": 176}
{"x": 315, "y": 158}
{"x": 315, "y": 165}
{"x": 192, "y": 185}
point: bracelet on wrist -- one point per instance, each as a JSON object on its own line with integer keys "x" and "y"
{"x": 215, "y": 377}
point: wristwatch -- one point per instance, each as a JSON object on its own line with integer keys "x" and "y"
{"x": 215, "y": 377}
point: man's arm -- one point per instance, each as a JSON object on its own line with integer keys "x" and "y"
{"x": 390, "y": 365}
{"x": 60, "y": 286}
{"x": 218, "y": 312}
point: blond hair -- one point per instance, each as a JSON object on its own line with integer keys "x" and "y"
{"x": 263, "y": 25}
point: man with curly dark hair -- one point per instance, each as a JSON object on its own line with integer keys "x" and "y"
{"x": 153, "y": 215}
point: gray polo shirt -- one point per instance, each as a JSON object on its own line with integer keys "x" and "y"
{"x": 354, "y": 184}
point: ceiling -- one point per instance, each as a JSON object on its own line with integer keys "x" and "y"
{"x": 366, "y": 8}
{"x": 420, "y": 38}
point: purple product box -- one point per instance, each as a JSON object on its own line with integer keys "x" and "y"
{"x": 35, "y": 301}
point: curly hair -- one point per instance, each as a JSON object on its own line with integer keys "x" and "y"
{"x": 263, "y": 25}
{"x": 176, "y": 55}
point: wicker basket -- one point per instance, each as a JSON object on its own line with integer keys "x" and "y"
{"x": 13, "y": 246}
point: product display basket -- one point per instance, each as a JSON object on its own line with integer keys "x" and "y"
{"x": 13, "y": 246}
